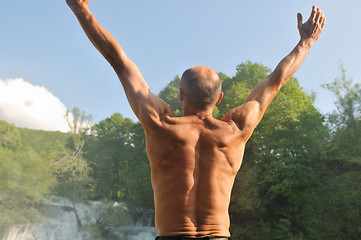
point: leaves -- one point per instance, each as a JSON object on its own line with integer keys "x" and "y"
{"x": 24, "y": 174}
{"x": 121, "y": 172}
{"x": 170, "y": 94}
{"x": 9, "y": 135}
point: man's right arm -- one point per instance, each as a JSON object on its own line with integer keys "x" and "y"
{"x": 146, "y": 106}
{"x": 249, "y": 114}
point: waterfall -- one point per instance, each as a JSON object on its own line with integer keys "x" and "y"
{"x": 60, "y": 224}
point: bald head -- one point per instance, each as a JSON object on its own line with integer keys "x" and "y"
{"x": 201, "y": 86}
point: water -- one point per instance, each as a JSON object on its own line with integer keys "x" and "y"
{"x": 60, "y": 224}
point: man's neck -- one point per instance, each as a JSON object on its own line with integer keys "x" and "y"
{"x": 202, "y": 114}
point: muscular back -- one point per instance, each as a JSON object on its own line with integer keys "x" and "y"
{"x": 194, "y": 163}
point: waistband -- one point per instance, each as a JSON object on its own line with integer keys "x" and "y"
{"x": 191, "y": 238}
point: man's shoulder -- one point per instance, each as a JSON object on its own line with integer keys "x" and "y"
{"x": 170, "y": 124}
{"x": 190, "y": 125}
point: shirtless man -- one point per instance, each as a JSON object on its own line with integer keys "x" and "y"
{"x": 194, "y": 158}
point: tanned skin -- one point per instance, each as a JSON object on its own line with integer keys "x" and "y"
{"x": 194, "y": 158}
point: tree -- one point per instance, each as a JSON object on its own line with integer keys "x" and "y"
{"x": 24, "y": 176}
{"x": 170, "y": 94}
{"x": 336, "y": 206}
{"x": 70, "y": 167}
{"x": 282, "y": 155}
{"x": 121, "y": 171}
{"x": 345, "y": 121}
{"x": 9, "y": 135}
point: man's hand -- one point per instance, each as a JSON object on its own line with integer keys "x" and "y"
{"x": 312, "y": 29}
{"x": 77, "y": 4}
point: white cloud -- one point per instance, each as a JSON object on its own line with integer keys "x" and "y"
{"x": 31, "y": 106}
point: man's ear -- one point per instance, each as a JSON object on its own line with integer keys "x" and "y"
{"x": 181, "y": 94}
{"x": 220, "y": 98}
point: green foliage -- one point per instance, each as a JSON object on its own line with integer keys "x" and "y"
{"x": 121, "y": 172}
{"x": 246, "y": 207}
{"x": 170, "y": 94}
{"x": 113, "y": 214}
{"x": 348, "y": 101}
{"x": 335, "y": 205}
{"x": 9, "y": 136}
{"x": 336, "y": 208}
{"x": 71, "y": 171}
{"x": 69, "y": 166}
{"x": 346, "y": 120}
{"x": 44, "y": 142}
{"x": 24, "y": 174}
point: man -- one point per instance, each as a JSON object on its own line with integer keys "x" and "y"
{"x": 194, "y": 158}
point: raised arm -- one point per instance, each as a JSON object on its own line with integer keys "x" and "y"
{"x": 146, "y": 106}
{"x": 249, "y": 114}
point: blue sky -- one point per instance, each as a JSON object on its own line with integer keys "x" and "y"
{"x": 42, "y": 43}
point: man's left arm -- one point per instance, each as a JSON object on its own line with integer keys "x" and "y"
{"x": 249, "y": 114}
{"x": 146, "y": 106}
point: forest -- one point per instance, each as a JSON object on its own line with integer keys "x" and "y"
{"x": 300, "y": 177}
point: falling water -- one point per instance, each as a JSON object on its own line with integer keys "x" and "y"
{"x": 60, "y": 224}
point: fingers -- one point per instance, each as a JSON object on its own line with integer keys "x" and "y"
{"x": 317, "y": 16}
{"x": 320, "y": 18}
{"x": 323, "y": 21}
{"x": 313, "y": 13}
{"x": 299, "y": 20}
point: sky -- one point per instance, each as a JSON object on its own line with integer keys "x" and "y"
{"x": 48, "y": 66}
